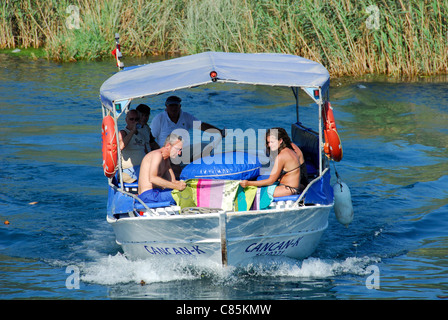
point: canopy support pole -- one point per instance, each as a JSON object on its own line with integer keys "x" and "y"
{"x": 321, "y": 144}
{"x": 295, "y": 90}
{"x": 223, "y": 227}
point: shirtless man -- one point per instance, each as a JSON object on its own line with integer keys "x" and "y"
{"x": 156, "y": 179}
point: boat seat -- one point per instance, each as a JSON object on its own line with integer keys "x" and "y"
{"x": 131, "y": 187}
{"x": 278, "y": 199}
{"x": 308, "y": 141}
{"x": 287, "y": 198}
{"x": 128, "y": 187}
{"x": 152, "y": 205}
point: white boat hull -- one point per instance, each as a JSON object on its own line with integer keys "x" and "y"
{"x": 223, "y": 238}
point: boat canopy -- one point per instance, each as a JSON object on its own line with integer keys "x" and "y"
{"x": 271, "y": 69}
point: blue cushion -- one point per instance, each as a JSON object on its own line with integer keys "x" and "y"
{"x": 262, "y": 177}
{"x": 151, "y": 205}
{"x": 131, "y": 185}
{"x": 287, "y": 198}
{"x": 226, "y": 166}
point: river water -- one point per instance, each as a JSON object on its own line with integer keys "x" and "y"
{"x": 53, "y": 192}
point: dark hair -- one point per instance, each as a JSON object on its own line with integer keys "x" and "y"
{"x": 143, "y": 108}
{"x": 173, "y": 100}
{"x": 280, "y": 133}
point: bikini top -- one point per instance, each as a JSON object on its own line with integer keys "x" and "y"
{"x": 286, "y": 172}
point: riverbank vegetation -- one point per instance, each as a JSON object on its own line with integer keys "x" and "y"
{"x": 349, "y": 37}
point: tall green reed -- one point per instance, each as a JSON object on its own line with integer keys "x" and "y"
{"x": 409, "y": 38}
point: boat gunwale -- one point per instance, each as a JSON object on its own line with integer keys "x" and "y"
{"x": 216, "y": 214}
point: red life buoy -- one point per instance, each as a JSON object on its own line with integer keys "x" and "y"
{"x": 332, "y": 146}
{"x": 110, "y": 152}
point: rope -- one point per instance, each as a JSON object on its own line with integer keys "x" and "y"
{"x": 338, "y": 181}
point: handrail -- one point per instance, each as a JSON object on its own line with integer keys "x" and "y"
{"x": 309, "y": 185}
{"x": 128, "y": 194}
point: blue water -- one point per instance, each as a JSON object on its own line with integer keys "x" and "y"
{"x": 53, "y": 192}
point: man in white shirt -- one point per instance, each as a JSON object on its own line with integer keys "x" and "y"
{"x": 174, "y": 118}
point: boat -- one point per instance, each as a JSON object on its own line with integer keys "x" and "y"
{"x": 289, "y": 226}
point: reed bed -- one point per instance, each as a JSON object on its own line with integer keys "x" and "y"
{"x": 349, "y": 37}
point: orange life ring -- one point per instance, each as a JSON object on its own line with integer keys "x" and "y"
{"x": 332, "y": 145}
{"x": 110, "y": 152}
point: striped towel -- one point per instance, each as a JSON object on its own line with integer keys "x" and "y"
{"x": 263, "y": 197}
{"x": 211, "y": 193}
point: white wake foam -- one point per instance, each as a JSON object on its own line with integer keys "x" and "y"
{"x": 118, "y": 269}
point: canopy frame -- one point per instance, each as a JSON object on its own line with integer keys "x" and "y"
{"x": 117, "y": 93}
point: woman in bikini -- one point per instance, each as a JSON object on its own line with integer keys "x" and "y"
{"x": 287, "y": 166}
